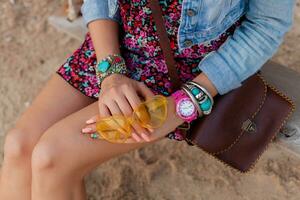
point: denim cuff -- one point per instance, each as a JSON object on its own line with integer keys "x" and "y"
{"x": 219, "y": 73}
{"x": 92, "y": 10}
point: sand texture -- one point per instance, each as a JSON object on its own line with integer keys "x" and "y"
{"x": 31, "y": 51}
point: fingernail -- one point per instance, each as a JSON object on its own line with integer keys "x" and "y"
{"x": 151, "y": 130}
{"x": 134, "y": 135}
{"x": 86, "y": 130}
{"x": 146, "y": 137}
{"x": 90, "y": 121}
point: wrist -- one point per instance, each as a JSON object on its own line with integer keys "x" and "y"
{"x": 110, "y": 65}
{"x": 202, "y": 98}
{"x": 110, "y": 80}
{"x": 185, "y": 107}
{"x": 172, "y": 112}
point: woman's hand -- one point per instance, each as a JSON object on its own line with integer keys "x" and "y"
{"x": 119, "y": 96}
{"x": 172, "y": 121}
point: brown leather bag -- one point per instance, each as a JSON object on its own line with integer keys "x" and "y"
{"x": 242, "y": 123}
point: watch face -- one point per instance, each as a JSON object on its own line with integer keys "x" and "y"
{"x": 186, "y": 108}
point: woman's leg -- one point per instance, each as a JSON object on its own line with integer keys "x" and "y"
{"x": 56, "y": 100}
{"x": 63, "y": 156}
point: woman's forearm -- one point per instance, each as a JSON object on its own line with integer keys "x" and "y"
{"x": 105, "y": 37}
{"x": 203, "y": 80}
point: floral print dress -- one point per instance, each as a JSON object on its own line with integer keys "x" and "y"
{"x": 141, "y": 51}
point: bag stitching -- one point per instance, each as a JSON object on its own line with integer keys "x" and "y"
{"x": 292, "y": 109}
{"x": 252, "y": 118}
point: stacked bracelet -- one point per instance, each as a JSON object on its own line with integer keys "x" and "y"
{"x": 192, "y": 101}
{"x": 110, "y": 65}
{"x": 201, "y": 95}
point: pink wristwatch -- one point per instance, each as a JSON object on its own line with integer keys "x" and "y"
{"x": 185, "y": 108}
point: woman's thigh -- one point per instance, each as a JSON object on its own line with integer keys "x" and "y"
{"x": 64, "y": 146}
{"x": 56, "y": 100}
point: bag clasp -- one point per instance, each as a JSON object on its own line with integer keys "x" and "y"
{"x": 249, "y": 126}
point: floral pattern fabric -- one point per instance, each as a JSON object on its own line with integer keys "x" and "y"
{"x": 141, "y": 51}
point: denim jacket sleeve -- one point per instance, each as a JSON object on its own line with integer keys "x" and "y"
{"x": 251, "y": 45}
{"x": 97, "y": 9}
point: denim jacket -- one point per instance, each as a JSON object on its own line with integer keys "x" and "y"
{"x": 243, "y": 54}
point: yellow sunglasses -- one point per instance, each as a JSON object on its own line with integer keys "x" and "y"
{"x": 150, "y": 114}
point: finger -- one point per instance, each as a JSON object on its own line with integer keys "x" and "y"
{"x": 136, "y": 137}
{"x": 92, "y": 120}
{"x": 126, "y": 109}
{"x": 91, "y": 128}
{"x": 133, "y": 98}
{"x": 145, "y": 91}
{"x": 146, "y": 137}
{"x": 135, "y": 101}
{"x": 142, "y": 132}
{"x": 104, "y": 111}
{"x": 132, "y": 140}
{"x": 114, "y": 108}
{"x": 124, "y": 105}
{"x": 150, "y": 129}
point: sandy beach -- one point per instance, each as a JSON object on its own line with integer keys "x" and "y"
{"x": 31, "y": 51}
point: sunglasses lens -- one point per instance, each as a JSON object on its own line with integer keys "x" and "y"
{"x": 114, "y": 129}
{"x": 150, "y": 114}
{"x": 153, "y": 113}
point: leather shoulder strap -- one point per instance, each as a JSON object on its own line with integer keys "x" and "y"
{"x": 164, "y": 42}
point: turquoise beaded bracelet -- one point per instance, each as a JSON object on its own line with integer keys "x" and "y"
{"x": 110, "y": 65}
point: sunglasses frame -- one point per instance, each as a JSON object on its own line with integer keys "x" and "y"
{"x": 129, "y": 120}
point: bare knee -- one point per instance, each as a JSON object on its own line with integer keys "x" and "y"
{"x": 18, "y": 145}
{"x": 44, "y": 157}
{"x": 49, "y": 158}
{"x": 50, "y": 155}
